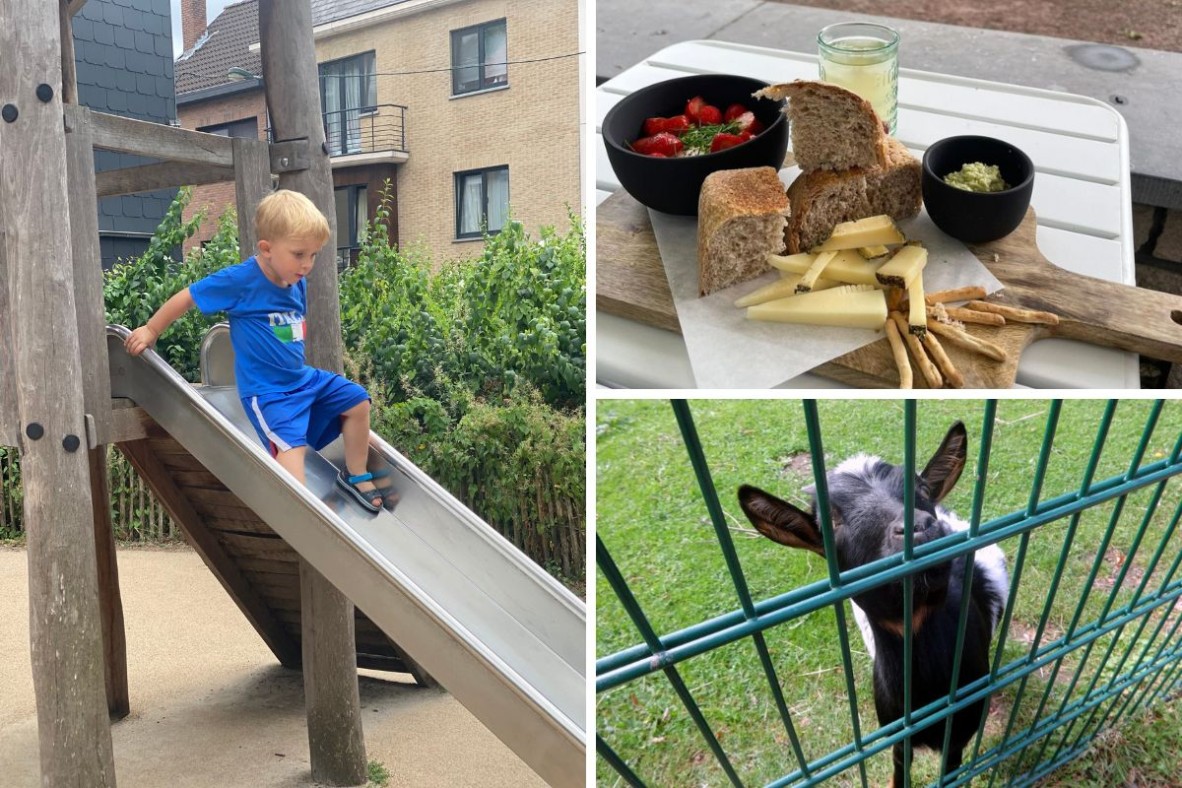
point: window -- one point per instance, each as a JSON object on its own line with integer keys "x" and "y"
{"x": 352, "y": 204}
{"x": 482, "y": 198}
{"x": 478, "y": 58}
{"x": 247, "y": 127}
{"x": 347, "y": 90}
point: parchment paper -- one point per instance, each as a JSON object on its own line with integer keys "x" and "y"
{"x": 727, "y": 350}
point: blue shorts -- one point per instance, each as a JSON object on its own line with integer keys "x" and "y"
{"x": 308, "y": 416}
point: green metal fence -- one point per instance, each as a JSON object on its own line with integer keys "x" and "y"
{"x": 1076, "y": 664}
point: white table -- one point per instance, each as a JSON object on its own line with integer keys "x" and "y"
{"x": 1082, "y": 198}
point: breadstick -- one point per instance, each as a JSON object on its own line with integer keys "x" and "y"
{"x": 966, "y": 340}
{"x": 930, "y": 373}
{"x": 971, "y": 316}
{"x": 899, "y": 351}
{"x": 1015, "y": 314}
{"x": 951, "y": 374}
{"x": 966, "y": 293}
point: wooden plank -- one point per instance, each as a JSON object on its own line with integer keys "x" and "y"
{"x": 252, "y": 182}
{"x": 126, "y": 424}
{"x": 253, "y": 546}
{"x": 272, "y": 564}
{"x": 218, "y": 496}
{"x": 9, "y": 422}
{"x": 65, "y": 626}
{"x": 239, "y": 525}
{"x": 110, "y": 601}
{"x": 164, "y": 175}
{"x": 158, "y": 141}
{"x": 198, "y": 480}
{"x": 88, "y": 275}
{"x": 206, "y": 509}
{"x": 69, "y": 67}
{"x": 212, "y": 552}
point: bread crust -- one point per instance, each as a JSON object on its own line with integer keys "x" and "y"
{"x": 807, "y": 155}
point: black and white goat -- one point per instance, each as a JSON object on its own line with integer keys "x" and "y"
{"x": 866, "y": 503}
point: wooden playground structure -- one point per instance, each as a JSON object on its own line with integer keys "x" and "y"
{"x": 56, "y": 404}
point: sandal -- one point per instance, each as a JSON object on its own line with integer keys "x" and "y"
{"x": 365, "y": 498}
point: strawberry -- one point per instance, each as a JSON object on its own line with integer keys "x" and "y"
{"x": 722, "y": 141}
{"x": 709, "y": 115}
{"x": 693, "y": 107}
{"x": 732, "y": 112}
{"x": 663, "y": 143}
{"x": 748, "y": 122}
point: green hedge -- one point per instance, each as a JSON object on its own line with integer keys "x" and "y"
{"x": 476, "y": 368}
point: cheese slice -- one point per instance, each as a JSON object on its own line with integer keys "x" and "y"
{"x": 871, "y": 231}
{"x": 871, "y": 252}
{"x": 917, "y": 321}
{"x": 810, "y": 276}
{"x": 847, "y": 266}
{"x": 902, "y": 269}
{"x": 781, "y": 289}
{"x": 855, "y": 306}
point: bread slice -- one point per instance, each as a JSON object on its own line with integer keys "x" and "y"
{"x": 741, "y": 219}
{"x": 832, "y": 128}
{"x": 821, "y": 199}
{"x": 897, "y": 188}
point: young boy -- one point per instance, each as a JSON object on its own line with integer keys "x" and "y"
{"x": 290, "y": 404}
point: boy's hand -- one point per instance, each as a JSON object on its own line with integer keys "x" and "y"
{"x": 140, "y": 340}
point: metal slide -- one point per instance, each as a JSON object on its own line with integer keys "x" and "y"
{"x": 498, "y": 632}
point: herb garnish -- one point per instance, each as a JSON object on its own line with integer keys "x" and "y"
{"x": 698, "y": 138}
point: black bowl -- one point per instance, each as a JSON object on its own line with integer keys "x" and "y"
{"x": 672, "y": 185}
{"x": 976, "y": 217}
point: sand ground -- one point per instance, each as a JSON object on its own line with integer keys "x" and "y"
{"x": 212, "y": 707}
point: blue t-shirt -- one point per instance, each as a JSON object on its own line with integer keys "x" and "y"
{"x": 266, "y": 326}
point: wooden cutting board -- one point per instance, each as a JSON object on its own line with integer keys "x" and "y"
{"x": 630, "y": 282}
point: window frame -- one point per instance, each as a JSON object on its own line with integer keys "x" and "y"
{"x": 228, "y": 126}
{"x": 483, "y": 85}
{"x": 354, "y": 207}
{"x": 458, "y": 181}
{"x": 370, "y": 86}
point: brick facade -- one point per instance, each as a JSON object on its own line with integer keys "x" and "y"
{"x": 532, "y": 125}
{"x": 215, "y": 198}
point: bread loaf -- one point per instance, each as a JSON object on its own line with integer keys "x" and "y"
{"x": 821, "y": 199}
{"x": 741, "y": 219}
{"x": 832, "y": 128}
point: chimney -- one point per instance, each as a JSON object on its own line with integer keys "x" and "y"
{"x": 192, "y": 21}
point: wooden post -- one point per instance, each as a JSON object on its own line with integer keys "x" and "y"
{"x": 110, "y": 601}
{"x": 329, "y": 652}
{"x": 9, "y": 422}
{"x": 66, "y": 13}
{"x": 66, "y": 635}
{"x": 252, "y": 182}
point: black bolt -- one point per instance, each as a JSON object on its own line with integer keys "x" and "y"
{"x": 71, "y": 443}
{"x": 44, "y": 92}
{"x": 35, "y": 431}
{"x": 1119, "y": 100}
{"x": 9, "y": 113}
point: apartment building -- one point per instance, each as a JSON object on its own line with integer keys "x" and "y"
{"x": 467, "y": 109}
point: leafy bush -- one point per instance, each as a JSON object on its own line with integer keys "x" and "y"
{"x": 136, "y": 288}
{"x": 516, "y": 315}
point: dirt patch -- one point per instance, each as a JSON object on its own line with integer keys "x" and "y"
{"x": 796, "y": 464}
{"x": 1155, "y": 24}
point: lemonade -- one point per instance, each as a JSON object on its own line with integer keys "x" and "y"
{"x": 863, "y": 58}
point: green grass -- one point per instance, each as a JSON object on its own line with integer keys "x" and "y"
{"x": 652, "y": 517}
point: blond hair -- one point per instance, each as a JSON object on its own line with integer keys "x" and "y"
{"x": 285, "y": 214}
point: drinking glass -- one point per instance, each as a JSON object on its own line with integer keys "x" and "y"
{"x": 863, "y": 58}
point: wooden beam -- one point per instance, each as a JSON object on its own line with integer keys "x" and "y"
{"x": 252, "y": 182}
{"x": 88, "y": 275}
{"x": 165, "y": 175}
{"x": 127, "y": 424}
{"x": 65, "y": 630}
{"x": 69, "y": 70}
{"x": 335, "y": 738}
{"x": 9, "y": 421}
{"x": 158, "y": 141}
{"x": 152, "y": 470}
{"x": 110, "y": 601}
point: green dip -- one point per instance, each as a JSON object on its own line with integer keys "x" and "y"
{"x": 977, "y": 177}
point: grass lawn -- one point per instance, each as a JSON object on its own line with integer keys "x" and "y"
{"x": 652, "y": 518}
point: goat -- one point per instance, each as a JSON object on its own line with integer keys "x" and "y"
{"x": 866, "y": 505}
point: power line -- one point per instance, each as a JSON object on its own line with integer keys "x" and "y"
{"x": 452, "y": 68}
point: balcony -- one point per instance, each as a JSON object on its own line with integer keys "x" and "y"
{"x": 365, "y": 135}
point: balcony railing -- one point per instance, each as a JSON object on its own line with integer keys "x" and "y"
{"x": 379, "y": 128}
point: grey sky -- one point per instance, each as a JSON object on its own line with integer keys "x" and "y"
{"x": 213, "y": 7}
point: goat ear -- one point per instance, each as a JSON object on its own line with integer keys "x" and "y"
{"x": 779, "y": 520}
{"x": 945, "y": 466}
